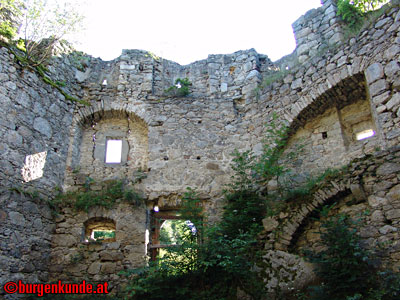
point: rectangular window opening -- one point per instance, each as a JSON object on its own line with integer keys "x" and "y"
{"x": 169, "y": 230}
{"x": 365, "y": 134}
{"x": 113, "y": 151}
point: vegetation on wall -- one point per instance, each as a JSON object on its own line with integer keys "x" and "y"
{"x": 180, "y": 88}
{"x": 39, "y": 25}
{"x": 225, "y": 259}
{"x": 220, "y": 261}
{"x": 354, "y": 12}
{"x": 107, "y": 195}
{"x": 210, "y": 265}
{"x": 346, "y": 268}
{"x": 31, "y": 29}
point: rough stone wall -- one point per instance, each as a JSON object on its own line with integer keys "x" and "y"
{"x": 25, "y": 236}
{"x": 364, "y": 67}
{"x": 75, "y": 258}
{"x": 186, "y": 142}
{"x": 368, "y": 190}
{"x": 189, "y": 139}
{"x": 372, "y": 194}
{"x": 34, "y": 122}
{"x": 317, "y": 30}
{"x": 331, "y": 138}
{"x": 93, "y": 147}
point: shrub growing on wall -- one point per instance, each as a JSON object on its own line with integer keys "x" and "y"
{"x": 180, "y": 88}
{"x": 346, "y": 268}
{"x": 353, "y": 11}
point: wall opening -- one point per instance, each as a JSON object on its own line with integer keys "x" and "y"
{"x": 169, "y": 229}
{"x": 100, "y": 230}
{"x": 113, "y": 151}
{"x": 365, "y": 134}
{"x": 108, "y": 144}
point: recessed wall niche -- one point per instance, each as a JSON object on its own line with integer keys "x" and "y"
{"x": 115, "y": 131}
{"x": 335, "y": 129}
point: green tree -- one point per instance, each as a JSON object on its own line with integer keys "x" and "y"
{"x": 37, "y": 26}
{"x": 345, "y": 266}
{"x": 10, "y": 12}
{"x": 353, "y": 11}
{"x": 348, "y": 270}
{"x": 368, "y": 5}
{"x": 44, "y": 24}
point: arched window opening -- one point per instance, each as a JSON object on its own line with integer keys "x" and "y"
{"x": 100, "y": 230}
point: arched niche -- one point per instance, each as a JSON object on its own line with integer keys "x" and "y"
{"x": 337, "y": 127}
{"x": 101, "y": 133}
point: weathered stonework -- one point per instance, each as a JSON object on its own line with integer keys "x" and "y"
{"x": 75, "y": 258}
{"x": 327, "y": 91}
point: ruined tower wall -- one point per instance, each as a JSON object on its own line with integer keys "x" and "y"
{"x": 34, "y": 122}
{"x": 325, "y": 94}
{"x": 364, "y": 68}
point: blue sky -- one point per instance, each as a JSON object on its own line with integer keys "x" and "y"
{"x": 186, "y": 31}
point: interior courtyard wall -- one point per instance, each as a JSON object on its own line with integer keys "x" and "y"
{"x": 189, "y": 139}
{"x": 305, "y": 92}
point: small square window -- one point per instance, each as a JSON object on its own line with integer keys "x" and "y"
{"x": 364, "y": 134}
{"x": 113, "y": 151}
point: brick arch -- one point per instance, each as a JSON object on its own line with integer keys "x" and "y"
{"x": 322, "y": 196}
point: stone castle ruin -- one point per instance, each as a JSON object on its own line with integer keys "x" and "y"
{"x": 333, "y": 92}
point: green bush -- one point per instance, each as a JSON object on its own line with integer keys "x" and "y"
{"x": 180, "y": 88}
{"x": 353, "y": 12}
{"x": 111, "y": 192}
{"x": 346, "y": 268}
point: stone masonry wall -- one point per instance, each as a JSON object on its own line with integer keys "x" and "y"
{"x": 369, "y": 189}
{"x": 184, "y": 142}
{"x": 364, "y": 70}
{"x": 75, "y": 258}
{"x": 317, "y": 30}
{"x": 34, "y": 122}
{"x": 190, "y": 139}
